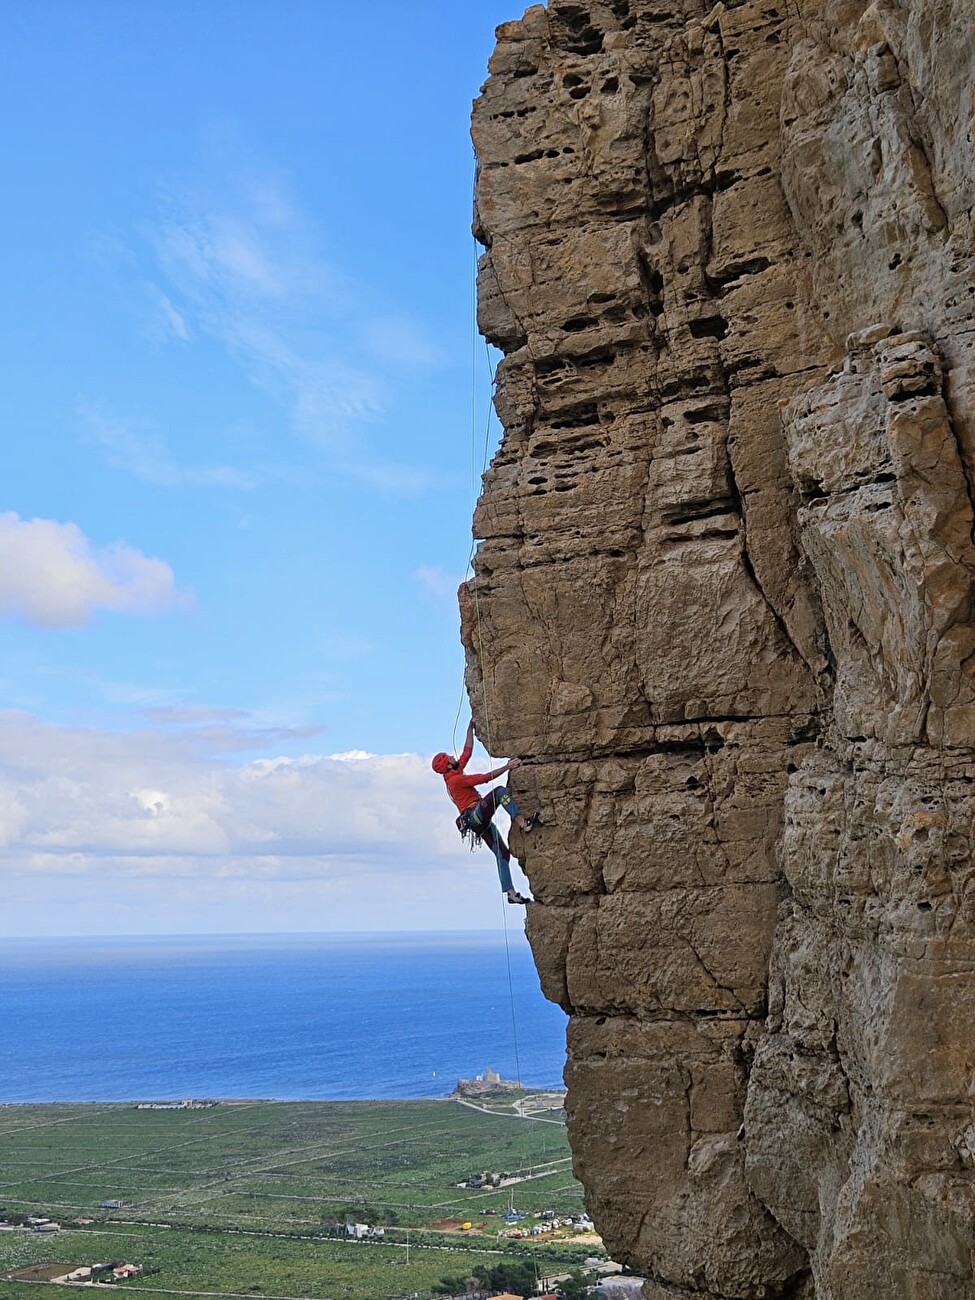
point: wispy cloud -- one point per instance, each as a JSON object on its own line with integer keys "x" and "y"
{"x": 145, "y": 456}
{"x": 226, "y": 731}
{"x": 165, "y": 322}
{"x": 240, "y": 264}
{"x": 52, "y": 576}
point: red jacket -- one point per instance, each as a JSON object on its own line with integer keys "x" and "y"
{"x": 460, "y": 786}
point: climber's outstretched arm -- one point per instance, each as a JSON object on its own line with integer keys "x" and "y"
{"x": 468, "y": 749}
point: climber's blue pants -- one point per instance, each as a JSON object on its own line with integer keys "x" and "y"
{"x": 479, "y": 820}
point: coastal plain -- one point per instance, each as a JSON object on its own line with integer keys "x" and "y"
{"x": 253, "y": 1198}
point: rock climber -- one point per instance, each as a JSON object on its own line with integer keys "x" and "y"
{"x": 476, "y": 812}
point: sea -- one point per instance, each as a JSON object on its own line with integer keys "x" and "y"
{"x": 284, "y": 1017}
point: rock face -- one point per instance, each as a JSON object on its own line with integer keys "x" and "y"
{"x": 723, "y": 608}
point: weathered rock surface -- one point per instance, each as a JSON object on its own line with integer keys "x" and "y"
{"x": 725, "y": 614}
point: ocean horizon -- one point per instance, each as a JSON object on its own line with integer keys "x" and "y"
{"x": 285, "y": 1017}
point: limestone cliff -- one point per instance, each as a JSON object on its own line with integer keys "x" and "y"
{"x": 724, "y": 611}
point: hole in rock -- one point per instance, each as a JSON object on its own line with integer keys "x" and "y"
{"x": 582, "y": 418}
{"x": 708, "y": 327}
{"x": 590, "y": 42}
{"x": 598, "y": 357}
{"x": 735, "y": 271}
{"x": 579, "y": 323}
{"x": 711, "y": 414}
{"x": 554, "y": 369}
{"x": 691, "y": 511}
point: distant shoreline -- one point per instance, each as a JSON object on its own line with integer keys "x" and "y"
{"x": 164, "y": 1103}
{"x": 264, "y": 937}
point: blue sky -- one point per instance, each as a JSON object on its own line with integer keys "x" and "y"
{"x": 237, "y": 478}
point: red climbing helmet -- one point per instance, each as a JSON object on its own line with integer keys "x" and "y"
{"x": 441, "y": 763}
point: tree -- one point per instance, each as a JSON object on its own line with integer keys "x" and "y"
{"x": 450, "y": 1286}
{"x": 517, "y": 1276}
{"x": 574, "y": 1287}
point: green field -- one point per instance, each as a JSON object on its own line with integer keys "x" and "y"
{"x": 251, "y": 1198}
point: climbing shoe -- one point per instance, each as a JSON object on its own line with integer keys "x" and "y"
{"x": 531, "y": 821}
{"x": 515, "y": 897}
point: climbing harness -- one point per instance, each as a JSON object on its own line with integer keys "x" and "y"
{"x": 470, "y": 829}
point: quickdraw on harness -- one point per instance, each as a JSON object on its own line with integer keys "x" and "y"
{"x": 469, "y": 825}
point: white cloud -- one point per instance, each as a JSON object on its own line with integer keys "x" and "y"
{"x": 157, "y": 831}
{"x": 52, "y": 576}
{"x": 168, "y": 802}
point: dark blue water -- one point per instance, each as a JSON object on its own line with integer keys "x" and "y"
{"x": 281, "y": 1016}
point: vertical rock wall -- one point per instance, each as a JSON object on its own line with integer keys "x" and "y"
{"x": 723, "y": 608}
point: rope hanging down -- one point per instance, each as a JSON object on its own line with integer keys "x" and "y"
{"x": 479, "y": 638}
{"x": 479, "y": 635}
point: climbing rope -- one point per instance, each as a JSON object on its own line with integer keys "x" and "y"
{"x": 511, "y": 990}
{"x": 476, "y": 480}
